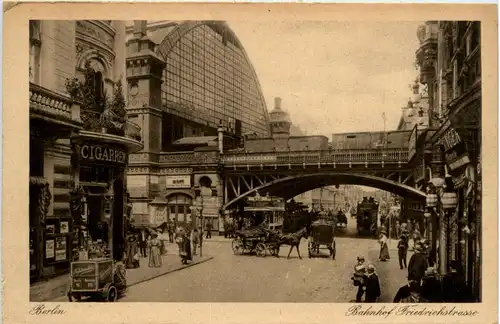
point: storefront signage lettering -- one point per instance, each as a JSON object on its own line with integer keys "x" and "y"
{"x": 461, "y": 161}
{"x": 101, "y": 153}
{"x": 83, "y": 270}
{"x": 451, "y": 139}
{"x": 181, "y": 181}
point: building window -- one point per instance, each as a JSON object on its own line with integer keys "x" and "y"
{"x": 35, "y": 46}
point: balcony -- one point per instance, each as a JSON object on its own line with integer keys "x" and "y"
{"x": 314, "y": 157}
{"x": 53, "y": 107}
{"x": 97, "y": 125}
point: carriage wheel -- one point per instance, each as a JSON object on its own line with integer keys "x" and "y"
{"x": 260, "y": 249}
{"x": 111, "y": 294}
{"x": 237, "y": 246}
{"x": 334, "y": 251}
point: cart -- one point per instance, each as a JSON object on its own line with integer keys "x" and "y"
{"x": 322, "y": 234}
{"x": 258, "y": 240}
{"x": 103, "y": 278}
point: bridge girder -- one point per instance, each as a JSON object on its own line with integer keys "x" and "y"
{"x": 288, "y": 186}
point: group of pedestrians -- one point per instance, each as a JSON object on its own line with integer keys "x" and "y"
{"x": 424, "y": 282}
{"x": 366, "y": 280}
{"x": 152, "y": 244}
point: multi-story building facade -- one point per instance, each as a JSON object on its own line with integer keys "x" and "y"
{"x": 189, "y": 81}
{"x": 78, "y": 149}
{"x": 449, "y": 58}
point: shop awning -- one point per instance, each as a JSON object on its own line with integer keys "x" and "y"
{"x": 196, "y": 140}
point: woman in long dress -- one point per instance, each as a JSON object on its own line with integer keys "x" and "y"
{"x": 154, "y": 251}
{"x": 384, "y": 249}
{"x": 132, "y": 260}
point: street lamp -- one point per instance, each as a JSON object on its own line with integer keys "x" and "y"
{"x": 448, "y": 200}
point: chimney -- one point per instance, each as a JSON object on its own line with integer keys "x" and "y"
{"x": 140, "y": 28}
{"x": 277, "y": 103}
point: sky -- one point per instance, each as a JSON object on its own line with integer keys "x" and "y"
{"x": 334, "y": 77}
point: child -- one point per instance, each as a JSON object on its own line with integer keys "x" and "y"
{"x": 359, "y": 277}
{"x": 402, "y": 251}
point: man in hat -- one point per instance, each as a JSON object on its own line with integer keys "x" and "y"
{"x": 418, "y": 264}
{"x": 402, "y": 251}
{"x": 372, "y": 289}
{"x": 454, "y": 288}
{"x": 359, "y": 277}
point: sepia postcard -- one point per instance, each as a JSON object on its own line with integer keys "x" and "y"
{"x": 240, "y": 163}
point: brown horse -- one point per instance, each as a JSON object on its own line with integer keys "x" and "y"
{"x": 293, "y": 239}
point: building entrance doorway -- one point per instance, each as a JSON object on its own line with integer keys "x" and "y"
{"x": 179, "y": 208}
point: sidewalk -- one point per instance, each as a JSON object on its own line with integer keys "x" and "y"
{"x": 390, "y": 276}
{"x": 58, "y": 287}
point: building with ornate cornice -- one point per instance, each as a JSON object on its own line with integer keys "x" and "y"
{"x": 80, "y": 139}
{"x": 449, "y": 59}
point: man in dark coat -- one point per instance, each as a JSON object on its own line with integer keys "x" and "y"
{"x": 431, "y": 287}
{"x": 208, "y": 227}
{"x": 143, "y": 242}
{"x": 418, "y": 264}
{"x": 409, "y": 293}
{"x": 372, "y": 289}
{"x": 454, "y": 288}
{"x": 402, "y": 252}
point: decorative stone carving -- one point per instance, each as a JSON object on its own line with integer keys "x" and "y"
{"x": 90, "y": 29}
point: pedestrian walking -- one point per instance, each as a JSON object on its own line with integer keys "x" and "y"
{"x": 418, "y": 264}
{"x": 208, "y": 227}
{"x": 431, "y": 287}
{"x": 163, "y": 239}
{"x": 409, "y": 293}
{"x": 402, "y": 251}
{"x": 454, "y": 288}
{"x": 171, "y": 231}
{"x": 372, "y": 289}
{"x": 195, "y": 237}
{"x": 384, "y": 249}
{"x": 143, "y": 243}
{"x": 155, "y": 244}
{"x": 184, "y": 243}
{"x": 359, "y": 278}
{"x": 132, "y": 252}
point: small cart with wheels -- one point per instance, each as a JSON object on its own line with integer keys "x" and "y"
{"x": 322, "y": 234}
{"x": 103, "y": 279}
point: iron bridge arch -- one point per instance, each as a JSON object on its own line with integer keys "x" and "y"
{"x": 291, "y": 186}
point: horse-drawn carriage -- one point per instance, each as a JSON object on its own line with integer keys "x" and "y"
{"x": 257, "y": 239}
{"x": 322, "y": 234}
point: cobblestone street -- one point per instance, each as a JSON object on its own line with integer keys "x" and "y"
{"x": 248, "y": 278}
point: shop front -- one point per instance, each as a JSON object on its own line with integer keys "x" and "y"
{"x": 460, "y": 224}
{"x": 99, "y": 200}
